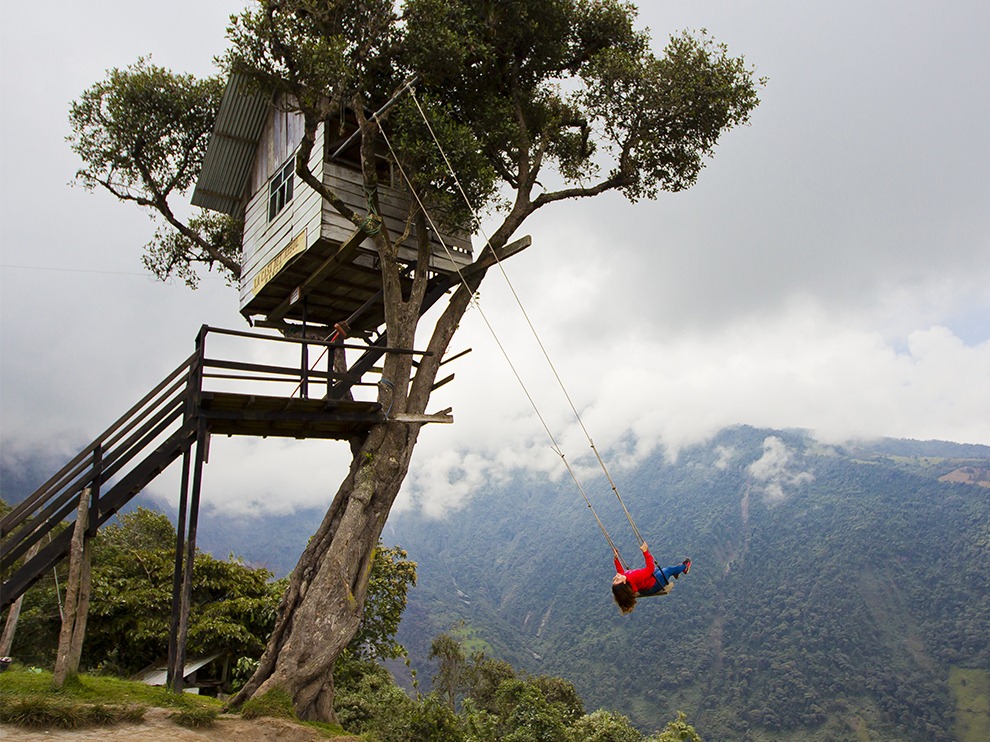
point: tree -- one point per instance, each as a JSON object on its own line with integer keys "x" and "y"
{"x": 527, "y": 715}
{"x": 142, "y": 134}
{"x": 677, "y": 730}
{"x": 533, "y": 103}
{"x": 485, "y": 676}
{"x": 391, "y": 577}
{"x": 451, "y": 676}
{"x": 233, "y": 605}
{"x": 605, "y": 726}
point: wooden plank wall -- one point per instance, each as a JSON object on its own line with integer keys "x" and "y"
{"x": 394, "y": 205}
{"x": 263, "y": 239}
{"x": 280, "y": 139}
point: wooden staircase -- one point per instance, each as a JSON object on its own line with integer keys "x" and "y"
{"x": 165, "y": 424}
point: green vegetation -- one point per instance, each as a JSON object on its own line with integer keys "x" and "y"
{"x": 391, "y": 577}
{"x": 971, "y": 689}
{"x": 275, "y": 703}
{"x": 25, "y": 681}
{"x": 833, "y": 610}
{"x": 197, "y": 718}
{"x": 278, "y": 704}
{"x": 233, "y": 604}
{"x": 48, "y": 712}
{"x": 475, "y": 699}
{"x": 233, "y": 609}
{"x": 28, "y": 699}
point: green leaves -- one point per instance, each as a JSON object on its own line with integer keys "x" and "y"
{"x": 572, "y": 88}
{"x": 173, "y": 254}
{"x": 494, "y": 703}
{"x": 391, "y": 577}
{"x": 322, "y": 53}
{"x": 660, "y": 118}
{"x": 142, "y": 133}
{"x": 233, "y": 605}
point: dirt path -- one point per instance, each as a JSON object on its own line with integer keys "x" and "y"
{"x": 157, "y": 727}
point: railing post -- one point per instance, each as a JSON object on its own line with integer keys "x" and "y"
{"x": 94, "y": 485}
{"x": 73, "y": 632}
{"x": 196, "y": 378}
{"x": 304, "y": 371}
{"x": 176, "y": 634}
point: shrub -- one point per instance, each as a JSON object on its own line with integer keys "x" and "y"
{"x": 51, "y": 712}
{"x": 196, "y": 718}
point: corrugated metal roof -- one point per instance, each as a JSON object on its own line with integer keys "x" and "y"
{"x": 230, "y": 154}
{"x": 157, "y": 674}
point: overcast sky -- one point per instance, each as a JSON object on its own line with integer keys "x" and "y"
{"x": 830, "y": 270}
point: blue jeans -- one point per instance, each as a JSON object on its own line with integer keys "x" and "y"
{"x": 669, "y": 572}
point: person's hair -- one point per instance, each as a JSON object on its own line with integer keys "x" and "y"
{"x": 624, "y": 596}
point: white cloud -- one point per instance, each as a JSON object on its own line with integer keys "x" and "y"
{"x": 830, "y": 271}
{"x": 254, "y": 476}
{"x": 774, "y": 470}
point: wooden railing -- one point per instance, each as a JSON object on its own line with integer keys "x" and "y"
{"x": 118, "y": 455}
{"x": 130, "y": 453}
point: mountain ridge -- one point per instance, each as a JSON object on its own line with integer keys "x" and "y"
{"x": 835, "y": 588}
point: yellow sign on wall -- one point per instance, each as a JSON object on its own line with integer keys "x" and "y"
{"x": 276, "y": 264}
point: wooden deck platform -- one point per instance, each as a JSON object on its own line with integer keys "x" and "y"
{"x": 228, "y": 413}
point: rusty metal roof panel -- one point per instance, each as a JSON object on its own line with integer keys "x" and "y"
{"x": 230, "y": 154}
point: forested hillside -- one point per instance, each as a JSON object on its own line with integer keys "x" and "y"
{"x": 832, "y": 593}
{"x": 832, "y": 589}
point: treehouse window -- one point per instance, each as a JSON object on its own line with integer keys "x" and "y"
{"x": 280, "y": 189}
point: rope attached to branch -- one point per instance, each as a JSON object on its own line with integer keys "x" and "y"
{"x": 546, "y": 355}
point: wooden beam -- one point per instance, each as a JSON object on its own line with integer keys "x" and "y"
{"x": 443, "y": 416}
{"x": 442, "y": 381}
{"x": 503, "y": 253}
{"x": 343, "y": 254}
{"x": 455, "y": 356}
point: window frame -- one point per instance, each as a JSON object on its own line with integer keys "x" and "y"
{"x": 280, "y": 189}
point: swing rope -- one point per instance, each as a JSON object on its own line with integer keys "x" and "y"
{"x": 553, "y": 441}
{"x": 525, "y": 314}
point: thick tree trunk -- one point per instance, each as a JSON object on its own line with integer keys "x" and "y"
{"x": 324, "y": 603}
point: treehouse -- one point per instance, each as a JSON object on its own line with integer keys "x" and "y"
{"x": 301, "y": 260}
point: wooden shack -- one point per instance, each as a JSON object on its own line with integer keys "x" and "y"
{"x": 301, "y": 259}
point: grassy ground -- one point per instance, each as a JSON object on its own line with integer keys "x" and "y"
{"x": 971, "y": 689}
{"x": 28, "y": 700}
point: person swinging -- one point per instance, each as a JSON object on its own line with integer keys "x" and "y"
{"x": 628, "y": 585}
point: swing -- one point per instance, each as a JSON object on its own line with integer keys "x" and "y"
{"x": 667, "y": 585}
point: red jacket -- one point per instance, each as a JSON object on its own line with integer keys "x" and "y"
{"x": 639, "y": 579}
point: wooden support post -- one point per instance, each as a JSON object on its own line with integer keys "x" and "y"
{"x": 73, "y": 632}
{"x": 180, "y": 542}
{"x": 190, "y": 558}
{"x": 7, "y": 640}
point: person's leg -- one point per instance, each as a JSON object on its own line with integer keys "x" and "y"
{"x": 670, "y": 572}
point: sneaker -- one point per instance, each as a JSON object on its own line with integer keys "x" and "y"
{"x": 687, "y": 565}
